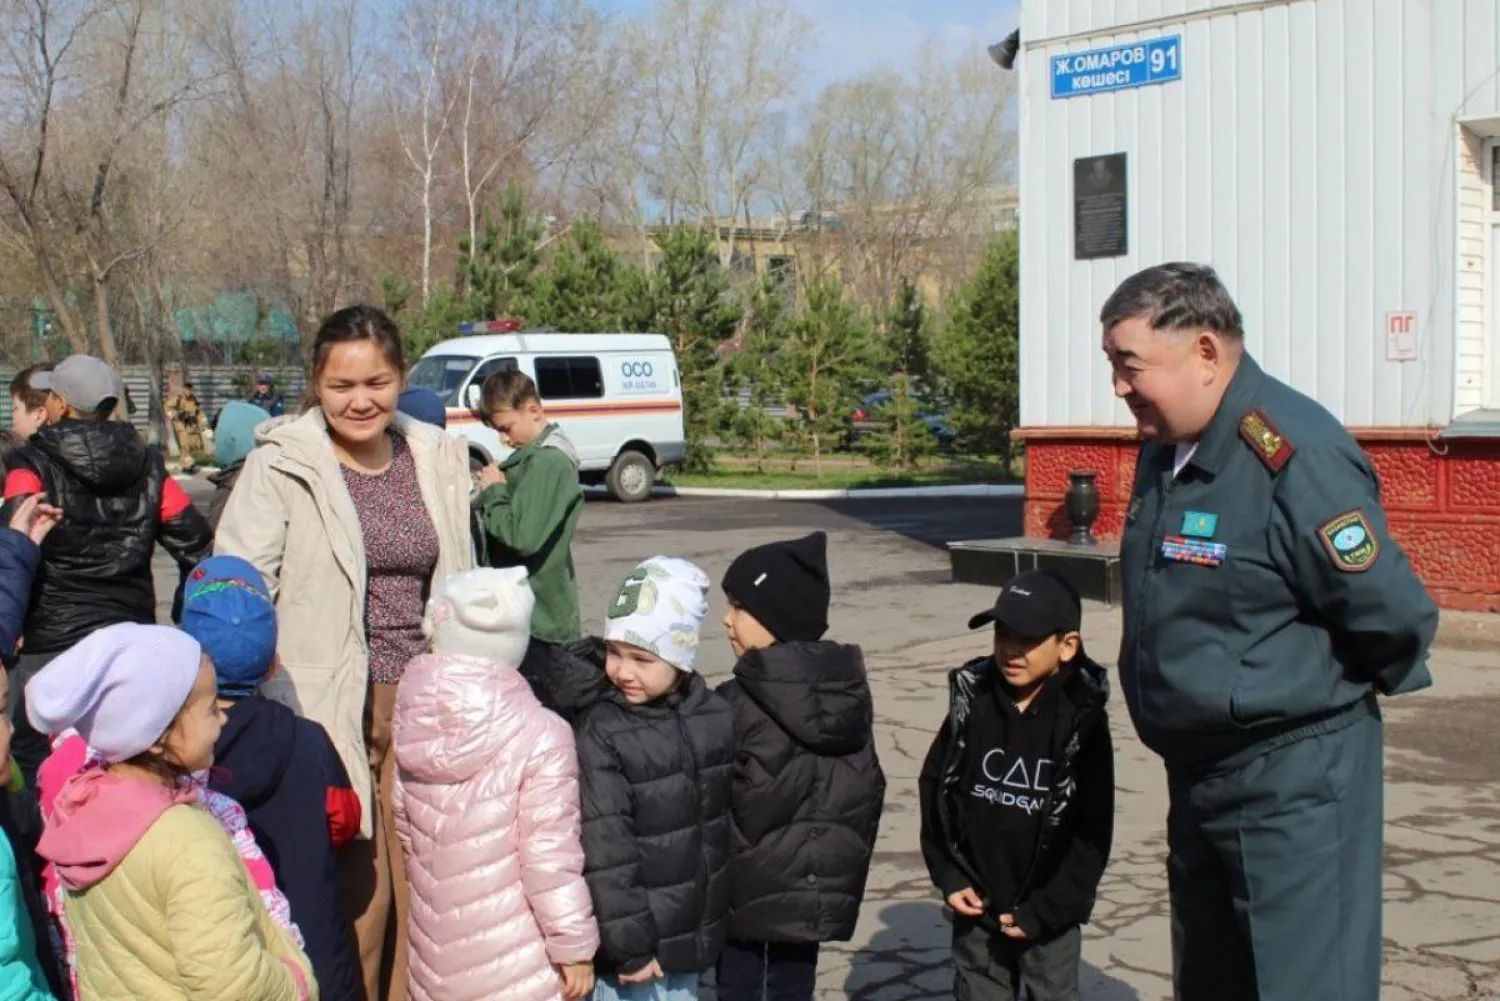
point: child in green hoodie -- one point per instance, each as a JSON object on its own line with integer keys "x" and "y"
{"x": 529, "y": 505}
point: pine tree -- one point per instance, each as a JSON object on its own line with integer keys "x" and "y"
{"x": 423, "y": 326}
{"x": 496, "y": 278}
{"x": 395, "y": 292}
{"x": 580, "y": 292}
{"x": 979, "y": 352}
{"x": 435, "y": 322}
{"x": 755, "y": 368}
{"x": 907, "y": 334}
{"x": 635, "y": 300}
{"x": 904, "y": 437}
{"x": 828, "y": 354}
{"x": 691, "y": 303}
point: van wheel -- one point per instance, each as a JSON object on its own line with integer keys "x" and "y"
{"x": 631, "y": 478}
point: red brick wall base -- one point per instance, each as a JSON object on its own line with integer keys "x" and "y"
{"x": 1442, "y": 498}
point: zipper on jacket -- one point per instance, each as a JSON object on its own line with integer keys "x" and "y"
{"x": 1088, "y": 714}
{"x": 1165, "y": 480}
{"x": 692, "y": 757}
{"x": 952, "y": 765}
{"x": 701, "y": 882}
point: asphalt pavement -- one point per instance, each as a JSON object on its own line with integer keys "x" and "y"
{"x": 893, "y": 597}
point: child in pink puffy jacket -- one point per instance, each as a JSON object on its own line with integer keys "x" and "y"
{"x": 487, "y": 809}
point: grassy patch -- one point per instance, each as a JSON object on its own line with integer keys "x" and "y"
{"x": 840, "y": 476}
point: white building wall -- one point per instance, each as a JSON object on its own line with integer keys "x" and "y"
{"x": 1311, "y": 152}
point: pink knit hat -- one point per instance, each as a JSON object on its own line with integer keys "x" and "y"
{"x": 120, "y": 688}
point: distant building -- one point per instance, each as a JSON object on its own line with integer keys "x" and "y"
{"x": 872, "y": 247}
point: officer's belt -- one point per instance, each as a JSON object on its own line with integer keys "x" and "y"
{"x": 1277, "y": 736}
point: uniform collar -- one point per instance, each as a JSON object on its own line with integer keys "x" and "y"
{"x": 1219, "y": 437}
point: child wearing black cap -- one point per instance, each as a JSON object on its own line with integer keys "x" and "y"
{"x": 1018, "y": 797}
{"x": 808, "y": 787}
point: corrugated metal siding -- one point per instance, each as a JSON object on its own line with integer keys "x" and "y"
{"x": 1308, "y": 153}
{"x": 1044, "y": 19}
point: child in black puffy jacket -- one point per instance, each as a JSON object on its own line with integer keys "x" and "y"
{"x": 655, "y": 753}
{"x": 808, "y": 788}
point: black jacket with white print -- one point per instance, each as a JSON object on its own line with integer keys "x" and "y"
{"x": 1055, "y": 889}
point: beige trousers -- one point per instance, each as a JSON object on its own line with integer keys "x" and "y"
{"x": 373, "y": 872}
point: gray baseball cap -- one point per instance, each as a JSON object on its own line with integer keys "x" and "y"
{"x": 84, "y": 381}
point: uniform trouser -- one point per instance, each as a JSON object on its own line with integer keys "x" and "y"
{"x": 988, "y": 966}
{"x": 189, "y": 443}
{"x": 373, "y": 872}
{"x": 1274, "y": 872}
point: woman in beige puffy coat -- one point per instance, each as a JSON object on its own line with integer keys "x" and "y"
{"x": 352, "y": 512}
{"x": 487, "y": 809}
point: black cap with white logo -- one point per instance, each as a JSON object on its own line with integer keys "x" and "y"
{"x": 1034, "y": 604}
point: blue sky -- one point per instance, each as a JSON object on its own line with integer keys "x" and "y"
{"x": 854, "y": 35}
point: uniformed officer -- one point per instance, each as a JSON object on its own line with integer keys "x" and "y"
{"x": 1265, "y": 606}
{"x": 186, "y": 415}
{"x": 266, "y": 397}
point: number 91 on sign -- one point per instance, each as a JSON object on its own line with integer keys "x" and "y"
{"x": 1139, "y": 64}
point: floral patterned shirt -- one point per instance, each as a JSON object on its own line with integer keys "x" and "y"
{"x": 401, "y": 551}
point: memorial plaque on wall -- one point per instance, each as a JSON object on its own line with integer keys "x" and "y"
{"x": 1099, "y": 228}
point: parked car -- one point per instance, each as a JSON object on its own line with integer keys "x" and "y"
{"x": 866, "y": 420}
{"x": 617, "y": 396}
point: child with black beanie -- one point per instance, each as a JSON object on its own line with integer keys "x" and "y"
{"x": 808, "y": 788}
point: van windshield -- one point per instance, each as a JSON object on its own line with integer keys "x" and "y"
{"x": 443, "y": 374}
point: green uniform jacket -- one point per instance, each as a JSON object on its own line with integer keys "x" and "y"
{"x": 529, "y": 520}
{"x": 1262, "y": 590}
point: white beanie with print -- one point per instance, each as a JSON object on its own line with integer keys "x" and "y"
{"x": 660, "y": 607}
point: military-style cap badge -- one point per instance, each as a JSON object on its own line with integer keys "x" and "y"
{"x": 1350, "y": 541}
{"x": 1268, "y": 444}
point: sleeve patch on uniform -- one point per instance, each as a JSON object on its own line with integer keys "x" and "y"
{"x": 1350, "y": 541}
{"x": 1268, "y": 444}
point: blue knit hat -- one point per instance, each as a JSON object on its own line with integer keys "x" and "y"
{"x": 234, "y": 435}
{"x": 228, "y": 610}
{"x": 422, "y": 404}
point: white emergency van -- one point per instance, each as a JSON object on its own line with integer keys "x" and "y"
{"x": 618, "y": 397}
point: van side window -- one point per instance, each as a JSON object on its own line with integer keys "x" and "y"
{"x": 569, "y": 378}
{"x": 490, "y": 367}
{"x": 476, "y": 381}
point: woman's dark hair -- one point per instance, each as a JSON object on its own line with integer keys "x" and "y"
{"x": 359, "y": 323}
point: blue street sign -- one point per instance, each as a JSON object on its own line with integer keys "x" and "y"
{"x": 1118, "y": 67}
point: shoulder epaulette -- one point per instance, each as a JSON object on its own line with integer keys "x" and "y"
{"x": 1269, "y": 445}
